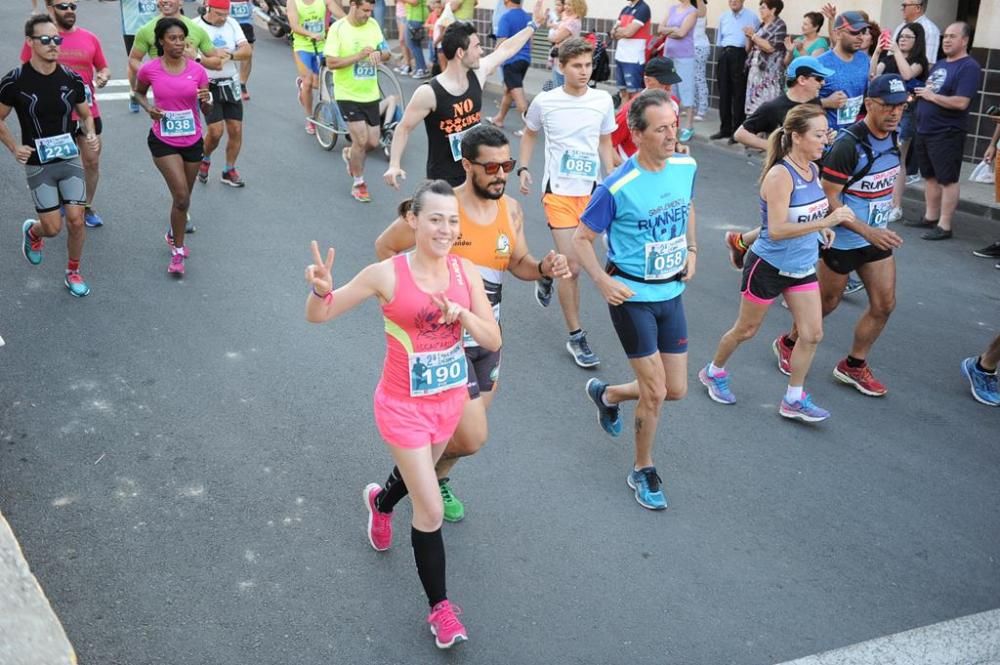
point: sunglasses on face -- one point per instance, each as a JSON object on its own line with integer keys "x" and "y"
{"x": 492, "y": 168}
{"x": 66, "y": 6}
{"x": 45, "y": 40}
{"x": 854, "y": 33}
{"x": 818, "y": 79}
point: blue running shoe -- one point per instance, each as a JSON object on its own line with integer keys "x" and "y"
{"x": 803, "y": 410}
{"x": 32, "y": 249}
{"x": 77, "y": 287}
{"x": 133, "y": 106}
{"x": 610, "y": 417}
{"x": 543, "y": 291}
{"x": 92, "y": 219}
{"x": 646, "y": 483}
{"x": 984, "y": 386}
{"x": 580, "y": 350}
{"x": 718, "y": 386}
{"x": 686, "y": 135}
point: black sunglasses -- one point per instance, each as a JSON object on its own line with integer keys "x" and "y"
{"x": 491, "y": 168}
{"x": 45, "y": 40}
{"x": 66, "y": 6}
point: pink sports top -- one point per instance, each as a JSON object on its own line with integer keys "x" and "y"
{"x": 423, "y": 358}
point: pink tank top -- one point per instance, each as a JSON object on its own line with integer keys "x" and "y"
{"x": 423, "y": 358}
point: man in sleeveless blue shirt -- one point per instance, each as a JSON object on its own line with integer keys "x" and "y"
{"x": 860, "y": 171}
{"x": 645, "y": 206}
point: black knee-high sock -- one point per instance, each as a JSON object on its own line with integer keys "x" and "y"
{"x": 428, "y": 552}
{"x": 392, "y": 493}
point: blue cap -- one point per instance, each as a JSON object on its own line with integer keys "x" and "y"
{"x": 852, "y": 20}
{"x": 806, "y": 65}
{"x": 889, "y": 88}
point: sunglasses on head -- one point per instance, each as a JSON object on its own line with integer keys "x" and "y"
{"x": 492, "y": 168}
{"x": 65, "y": 6}
{"x": 45, "y": 40}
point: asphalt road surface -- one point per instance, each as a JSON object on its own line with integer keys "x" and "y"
{"x": 183, "y": 460}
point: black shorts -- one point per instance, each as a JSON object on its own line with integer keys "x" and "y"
{"x": 223, "y": 110}
{"x": 845, "y": 261}
{"x": 98, "y": 127}
{"x": 939, "y": 156}
{"x": 762, "y": 282}
{"x": 513, "y": 74}
{"x": 248, "y": 32}
{"x": 129, "y": 41}
{"x": 484, "y": 369}
{"x": 647, "y": 327}
{"x": 192, "y": 153}
{"x": 360, "y": 111}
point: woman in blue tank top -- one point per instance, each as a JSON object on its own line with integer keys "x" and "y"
{"x": 782, "y": 261}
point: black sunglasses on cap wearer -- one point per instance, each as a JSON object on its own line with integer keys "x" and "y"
{"x": 45, "y": 40}
{"x": 65, "y": 6}
{"x": 491, "y": 168}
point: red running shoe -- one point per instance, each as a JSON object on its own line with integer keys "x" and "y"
{"x": 736, "y": 249}
{"x": 379, "y": 524}
{"x": 859, "y": 377}
{"x": 784, "y": 355}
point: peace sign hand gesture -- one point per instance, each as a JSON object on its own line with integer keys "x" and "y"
{"x": 450, "y": 312}
{"x": 318, "y": 273}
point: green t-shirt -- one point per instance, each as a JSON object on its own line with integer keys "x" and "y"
{"x": 313, "y": 19}
{"x": 466, "y": 11}
{"x": 145, "y": 38}
{"x": 357, "y": 82}
{"x": 417, "y": 12}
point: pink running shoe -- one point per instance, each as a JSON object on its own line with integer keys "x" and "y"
{"x": 176, "y": 266}
{"x": 379, "y": 524}
{"x": 448, "y": 630}
{"x": 310, "y": 128}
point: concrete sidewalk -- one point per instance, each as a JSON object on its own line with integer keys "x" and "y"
{"x": 30, "y": 632}
{"x": 976, "y": 199}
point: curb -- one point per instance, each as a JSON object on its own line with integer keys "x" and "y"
{"x": 32, "y": 634}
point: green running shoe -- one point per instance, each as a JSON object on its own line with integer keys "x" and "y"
{"x": 454, "y": 511}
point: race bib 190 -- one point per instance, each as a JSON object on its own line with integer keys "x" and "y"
{"x": 433, "y": 372}
{"x": 665, "y": 258}
{"x": 56, "y": 147}
{"x": 578, "y": 164}
{"x": 177, "y": 123}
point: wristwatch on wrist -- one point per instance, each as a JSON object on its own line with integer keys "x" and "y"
{"x": 523, "y": 168}
{"x": 532, "y": 24}
{"x": 197, "y": 58}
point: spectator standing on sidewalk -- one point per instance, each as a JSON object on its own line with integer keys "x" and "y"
{"x": 766, "y": 58}
{"x": 633, "y": 30}
{"x": 569, "y": 24}
{"x": 678, "y": 27}
{"x": 942, "y": 117}
{"x": 915, "y": 11}
{"x": 731, "y": 42}
{"x": 810, "y": 42}
{"x": 702, "y": 49}
{"x": 904, "y": 56}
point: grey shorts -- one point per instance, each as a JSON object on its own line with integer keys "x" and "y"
{"x": 57, "y": 183}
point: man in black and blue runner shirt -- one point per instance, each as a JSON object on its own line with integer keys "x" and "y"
{"x": 44, "y": 95}
{"x": 942, "y": 118}
{"x": 860, "y": 171}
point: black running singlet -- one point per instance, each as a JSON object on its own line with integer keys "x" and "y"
{"x": 445, "y": 125}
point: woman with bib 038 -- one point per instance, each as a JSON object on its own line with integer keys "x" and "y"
{"x": 180, "y": 86}
{"x": 428, "y": 296}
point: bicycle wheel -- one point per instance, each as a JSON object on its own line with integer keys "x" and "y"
{"x": 388, "y": 85}
{"x": 325, "y": 122}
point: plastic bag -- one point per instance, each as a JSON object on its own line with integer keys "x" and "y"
{"x": 983, "y": 173}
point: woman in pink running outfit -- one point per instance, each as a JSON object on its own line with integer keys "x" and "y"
{"x": 428, "y": 296}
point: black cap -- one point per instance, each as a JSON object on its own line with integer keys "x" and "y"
{"x": 662, "y": 69}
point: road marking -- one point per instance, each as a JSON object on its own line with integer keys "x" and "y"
{"x": 963, "y": 641}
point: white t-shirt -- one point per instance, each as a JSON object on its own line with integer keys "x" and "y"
{"x": 932, "y": 35}
{"x": 573, "y": 128}
{"x": 228, "y": 37}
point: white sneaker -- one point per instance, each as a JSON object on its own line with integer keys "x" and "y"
{"x": 913, "y": 179}
{"x": 895, "y": 215}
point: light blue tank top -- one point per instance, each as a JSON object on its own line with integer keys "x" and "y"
{"x": 795, "y": 256}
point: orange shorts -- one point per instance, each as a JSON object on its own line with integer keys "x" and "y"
{"x": 563, "y": 212}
